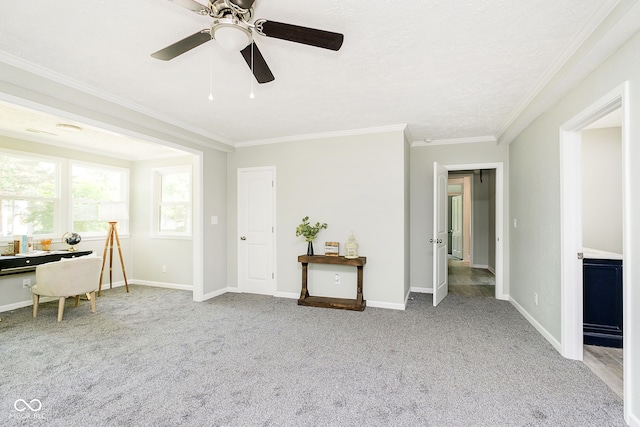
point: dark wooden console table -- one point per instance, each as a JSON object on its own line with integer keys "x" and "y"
{"x": 357, "y": 304}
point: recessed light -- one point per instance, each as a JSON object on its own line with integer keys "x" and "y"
{"x": 68, "y": 127}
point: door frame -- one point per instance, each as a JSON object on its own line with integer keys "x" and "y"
{"x": 501, "y": 277}
{"x": 273, "y": 235}
{"x": 571, "y": 229}
{"x": 571, "y": 340}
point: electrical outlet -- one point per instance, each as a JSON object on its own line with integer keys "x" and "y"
{"x": 535, "y": 298}
{"x": 164, "y": 268}
{"x": 337, "y": 279}
{"x": 26, "y": 283}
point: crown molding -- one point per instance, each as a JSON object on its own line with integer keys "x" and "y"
{"x": 323, "y": 135}
{"x": 86, "y": 89}
{"x": 611, "y": 26}
{"x": 450, "y": 141}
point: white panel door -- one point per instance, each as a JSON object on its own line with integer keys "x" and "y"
{"x": 256, "y": 231}
{"x": 439, "y": 240}
{"x": 456, "y": 226}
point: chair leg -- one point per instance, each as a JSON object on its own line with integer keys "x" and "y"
{"x": 60, "y": 308}
{"x": 77, "y": 300}
{"x": 36, "y": 300}
{"x": 93, "y": 301}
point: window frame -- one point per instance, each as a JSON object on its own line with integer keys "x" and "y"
{"x": 123, "y": 225}
{"x": 55, "y": 199}
{"x": 156, "y": 175}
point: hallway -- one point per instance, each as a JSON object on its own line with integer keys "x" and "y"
{"x": 467, "y": 281}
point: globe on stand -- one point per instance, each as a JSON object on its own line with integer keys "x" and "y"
{"x": 71, "y": 239}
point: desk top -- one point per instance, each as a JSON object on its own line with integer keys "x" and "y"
{"x": 324, "y": 259}
{"x": 36, "y": 258}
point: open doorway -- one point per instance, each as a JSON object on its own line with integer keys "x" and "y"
{"x": 585, "y": 203}
{"x": 475, "y": 252}
{"x": 472, "y": 232}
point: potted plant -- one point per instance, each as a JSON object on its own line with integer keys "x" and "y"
{"x": 309, "y": 232}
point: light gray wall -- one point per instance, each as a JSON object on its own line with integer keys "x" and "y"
{"x": 422, "y": 159}
{"x": 480, "y": 220}
{"x": 535, "y": 202}
{"x": 151, "y": 253}
{"x": 602, "y": 189}
{"x": 491, "y": 250}
{"x": 352, "y": 183}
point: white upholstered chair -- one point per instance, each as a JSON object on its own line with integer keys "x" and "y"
{"x": 65, "y": 278}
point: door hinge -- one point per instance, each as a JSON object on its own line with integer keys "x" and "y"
{"x": 580, "y": 255}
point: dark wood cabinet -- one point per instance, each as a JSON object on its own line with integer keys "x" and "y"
{"x": 602, "y": 302}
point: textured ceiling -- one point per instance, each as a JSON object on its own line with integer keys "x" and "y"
{"x": 446, "y": 68}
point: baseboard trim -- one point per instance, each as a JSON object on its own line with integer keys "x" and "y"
{"x": 555, "y": 343}
{"x": 633, "y": 420}
{"x": 482, "y": 266}
{"x": 21, "y": 304}
{"x": 382, "y": 304}
{"x": 290, "y": 295}
{"x": 165, "y": 285}
{"x": 492, "y": 270}
{"x": 420, "y": 290}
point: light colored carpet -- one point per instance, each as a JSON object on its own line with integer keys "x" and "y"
{"x": 155, "y": 358}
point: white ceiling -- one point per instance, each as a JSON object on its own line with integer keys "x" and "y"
{"x": 448, "y": 69}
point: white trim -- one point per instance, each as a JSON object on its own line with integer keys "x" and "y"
{"x": 571, "y": 236}
{"x": 387, "y": 305}
{"x": 289, "y": 295}
{"x": 546, "y": 334}
{"x": 633, "y": 420}
{"x": 322, "y": 135}
{"x": 216, "y": 293}
{"x": 571, "y": 218}
{"x": 448, "y": 141}
{"x": 421, "y": 290}
{"x": 164, "y": 285}
{"x": 197, "y": 212}
{"x": 482, "y": 266}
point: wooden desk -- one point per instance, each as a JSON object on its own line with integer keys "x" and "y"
{"x": 357, "y": 304}
{"x": 24, "y": 263}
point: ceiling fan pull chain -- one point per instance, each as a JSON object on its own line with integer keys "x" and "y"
{"x": 251, "y": 95}
{"x": 211, "y": 75}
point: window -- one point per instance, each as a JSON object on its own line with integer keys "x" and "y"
{"x": 90, "y": 186}
{"x": 172, "y": 204}
{"x": 29, "y": 189}
{"x": 46, "y": 197}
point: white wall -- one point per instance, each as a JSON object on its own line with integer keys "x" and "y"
{"x": 352, "y": 183}
{"x": 480, "y": 220}
{"x": 602, "y": 189}
{"x": 535, "y": 202}
{"x": 422, "y": 159}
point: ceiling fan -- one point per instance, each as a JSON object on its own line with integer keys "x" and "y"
{"x": 232, "y": 29}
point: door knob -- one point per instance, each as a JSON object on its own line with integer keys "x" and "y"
{"x": 243, "y": 238}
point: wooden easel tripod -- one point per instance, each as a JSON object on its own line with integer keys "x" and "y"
{"x": 113, "y": 232}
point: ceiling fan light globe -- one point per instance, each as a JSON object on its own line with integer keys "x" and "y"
{"x": 231, "y": 36}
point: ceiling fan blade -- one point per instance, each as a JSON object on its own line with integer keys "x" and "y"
{"x": 260, "y": 68}
{"x": 193, "y": 6}
{"x": 243, "y": 4}
{"x": 182, "y": 46}
{"x": 304, "y": 35}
